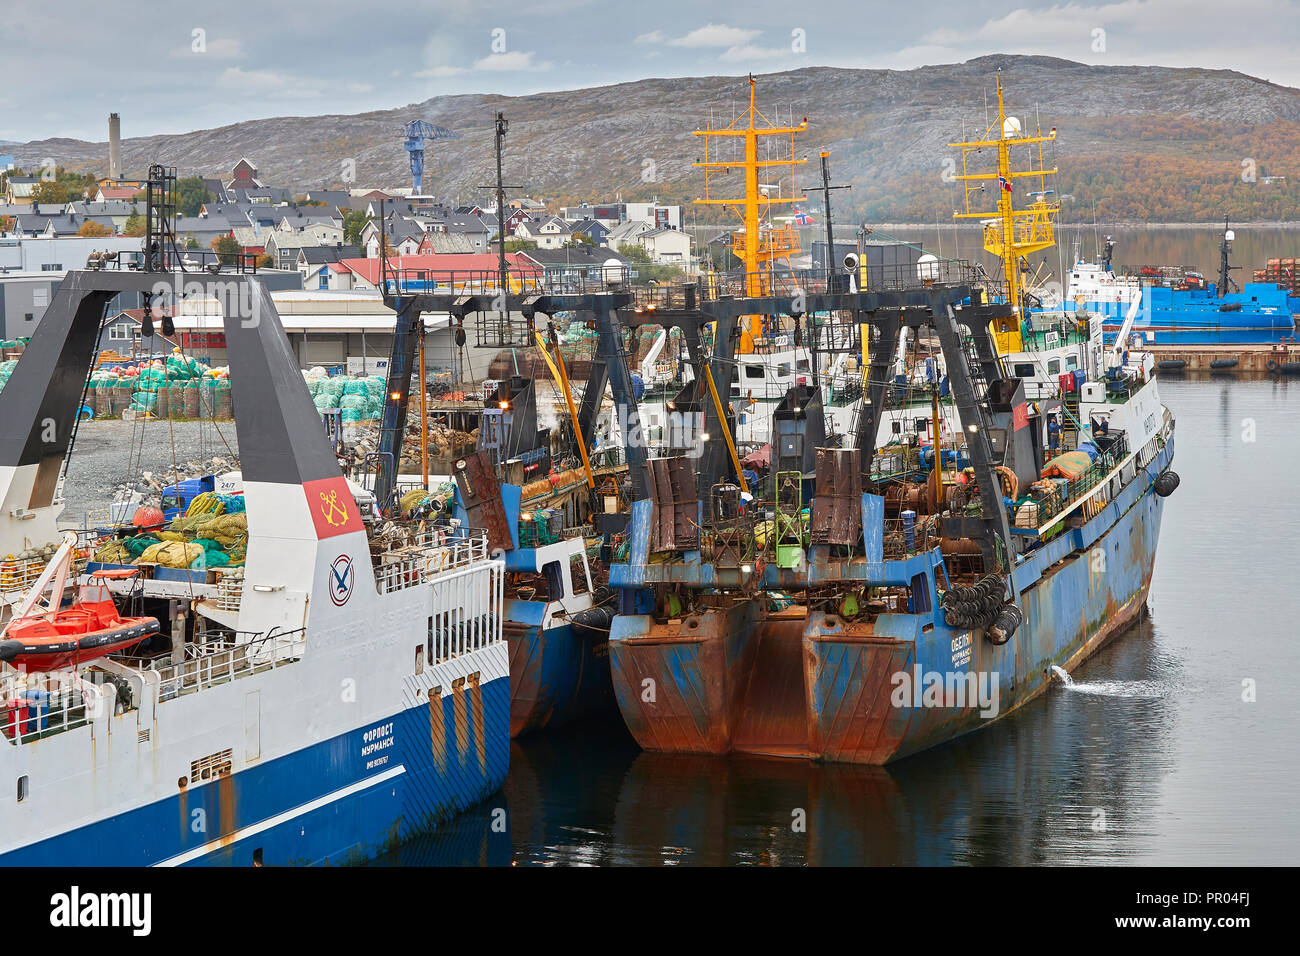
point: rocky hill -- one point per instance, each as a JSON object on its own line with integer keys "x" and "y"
{"x": 1135, "y": 143}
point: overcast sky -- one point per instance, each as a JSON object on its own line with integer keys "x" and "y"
{"x": 169, "y": 70}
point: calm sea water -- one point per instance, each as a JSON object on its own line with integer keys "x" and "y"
{"x": 1153, "y": 756}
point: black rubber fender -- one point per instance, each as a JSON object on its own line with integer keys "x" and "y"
{"x": 1167, "y": 483}
{"x": 1172, "y": 364}
{"x": 1271, "y": 365}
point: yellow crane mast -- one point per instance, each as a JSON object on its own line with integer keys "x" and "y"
{"x": 759, "y": 242}
{"x": 1009, "y": 233}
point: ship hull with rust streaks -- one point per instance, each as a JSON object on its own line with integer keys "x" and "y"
{"x": 854, "y": 692}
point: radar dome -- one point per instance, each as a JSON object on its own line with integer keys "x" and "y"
{"x": 1010, "y": 127}
{"x": 927, "y": 268}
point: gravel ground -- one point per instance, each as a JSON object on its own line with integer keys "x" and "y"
{"x": 109, "y": 453}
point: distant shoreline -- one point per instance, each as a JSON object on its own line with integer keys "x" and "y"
{"x": 885, "y": 226}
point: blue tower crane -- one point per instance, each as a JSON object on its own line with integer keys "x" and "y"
{"x": 415, "y": 133}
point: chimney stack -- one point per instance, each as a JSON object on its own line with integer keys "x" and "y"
{"x": 114, "y": 146}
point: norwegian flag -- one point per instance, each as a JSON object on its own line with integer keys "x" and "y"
{"x": 802, "y": 218}
{"x": 1004, "y": 183}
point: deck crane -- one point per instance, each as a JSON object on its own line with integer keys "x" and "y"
{"x": 415, "y": 133}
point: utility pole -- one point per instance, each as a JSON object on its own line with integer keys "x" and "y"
{"x": 826, "y": 188}
{"x": 503, "y": 337}
{"x": 502, "y": 125}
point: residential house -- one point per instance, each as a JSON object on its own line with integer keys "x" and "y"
{"x": 627, "y": 232}
{"x": 549, "y": 233}
{"x": 283, "y": 247}
{"x": 202, "y": 229}
{"x": 116, "y": 193}
{"x": 578, "y": 267}
{"x": 314, "y": 264}
{"x": 115, "y": 210}
{"x": 19, "y": 189}
{"x": 593, "y": 229}
{"x": 404, "y": 236}
{"x": 667, "y": 246}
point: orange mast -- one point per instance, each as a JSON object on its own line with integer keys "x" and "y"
{"x": 759, "y": 243}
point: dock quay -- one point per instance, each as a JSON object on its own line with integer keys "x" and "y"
{"x": 1245, "y": 358}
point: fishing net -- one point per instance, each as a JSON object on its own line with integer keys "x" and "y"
{"x": 137, "y": 545}
{"x": 171, "y": 554}
{"x": 228, "y": 530}
{"x": 113, "y": 552}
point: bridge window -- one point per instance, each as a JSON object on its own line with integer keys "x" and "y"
{"x": 554, "y": 580}
{"x": 1054, "y": 367}
{"x": 753, "y": 371}
{"x": 1023, "y": 370}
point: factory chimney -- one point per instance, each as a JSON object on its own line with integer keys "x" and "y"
{"x": 114, "y": 146}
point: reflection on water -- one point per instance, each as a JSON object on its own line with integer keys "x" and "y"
{"x": 1174, "y": 744}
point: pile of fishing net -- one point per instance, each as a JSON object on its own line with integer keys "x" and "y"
{"x": 227, "y": 530}
{"x": 361, "y": 397}
{"x": 195, "y": 541}
{"x": 7, "y": 369}
{"x": 171, "y": 554}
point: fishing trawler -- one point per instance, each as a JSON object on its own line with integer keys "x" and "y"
{"x": 859, "y": 603}
{"x": 314, "y": 705}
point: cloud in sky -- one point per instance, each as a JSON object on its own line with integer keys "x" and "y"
{"x": 272, "y": 59}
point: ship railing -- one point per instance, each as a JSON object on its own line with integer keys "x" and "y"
{"x": 422, "y": 557}
{"x": 467, "y": 611}
{"x": 904, "y": 538}
{"x": 219, "y": 661}
{"x": 36, "y": 707}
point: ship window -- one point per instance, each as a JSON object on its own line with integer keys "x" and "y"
{"x": 920, "y": 594}
{"x": 554, "y": 580}
{"x": 419, "y": 659}
{"x": 22, "y": 788}
{"x": 783, "y": 369}
{"x": 801, "y": 365}
{"x": 1054, "y": 367}
{"x": 1071, "y": 362}
{"x": 257, "y": 857}
{"x": 578, "y": 573}
{"x": 753, "y": 371}
{"x": 1024, "y": 370}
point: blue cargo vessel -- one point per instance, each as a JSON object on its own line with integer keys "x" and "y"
{"x": 1179, "y": 306}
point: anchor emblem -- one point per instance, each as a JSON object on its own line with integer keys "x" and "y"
{"x": 330, "y": 508}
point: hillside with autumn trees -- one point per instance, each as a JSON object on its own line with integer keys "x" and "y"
{"x": 1135, "y": 143}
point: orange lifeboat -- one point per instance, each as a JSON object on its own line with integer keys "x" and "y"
{"x": 86, "y": 630}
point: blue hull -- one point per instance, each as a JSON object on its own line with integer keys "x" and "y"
{"x": 556, "y": 675}
{"x": 1188, "y": 317}
{"x": 333, "y": 802}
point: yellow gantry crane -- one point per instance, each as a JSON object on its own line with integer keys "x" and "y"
{"x": 1009, "y": 233}
{"x": 760, "y": 242}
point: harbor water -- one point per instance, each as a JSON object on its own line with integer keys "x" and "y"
{"x": 1170, "y": 746}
